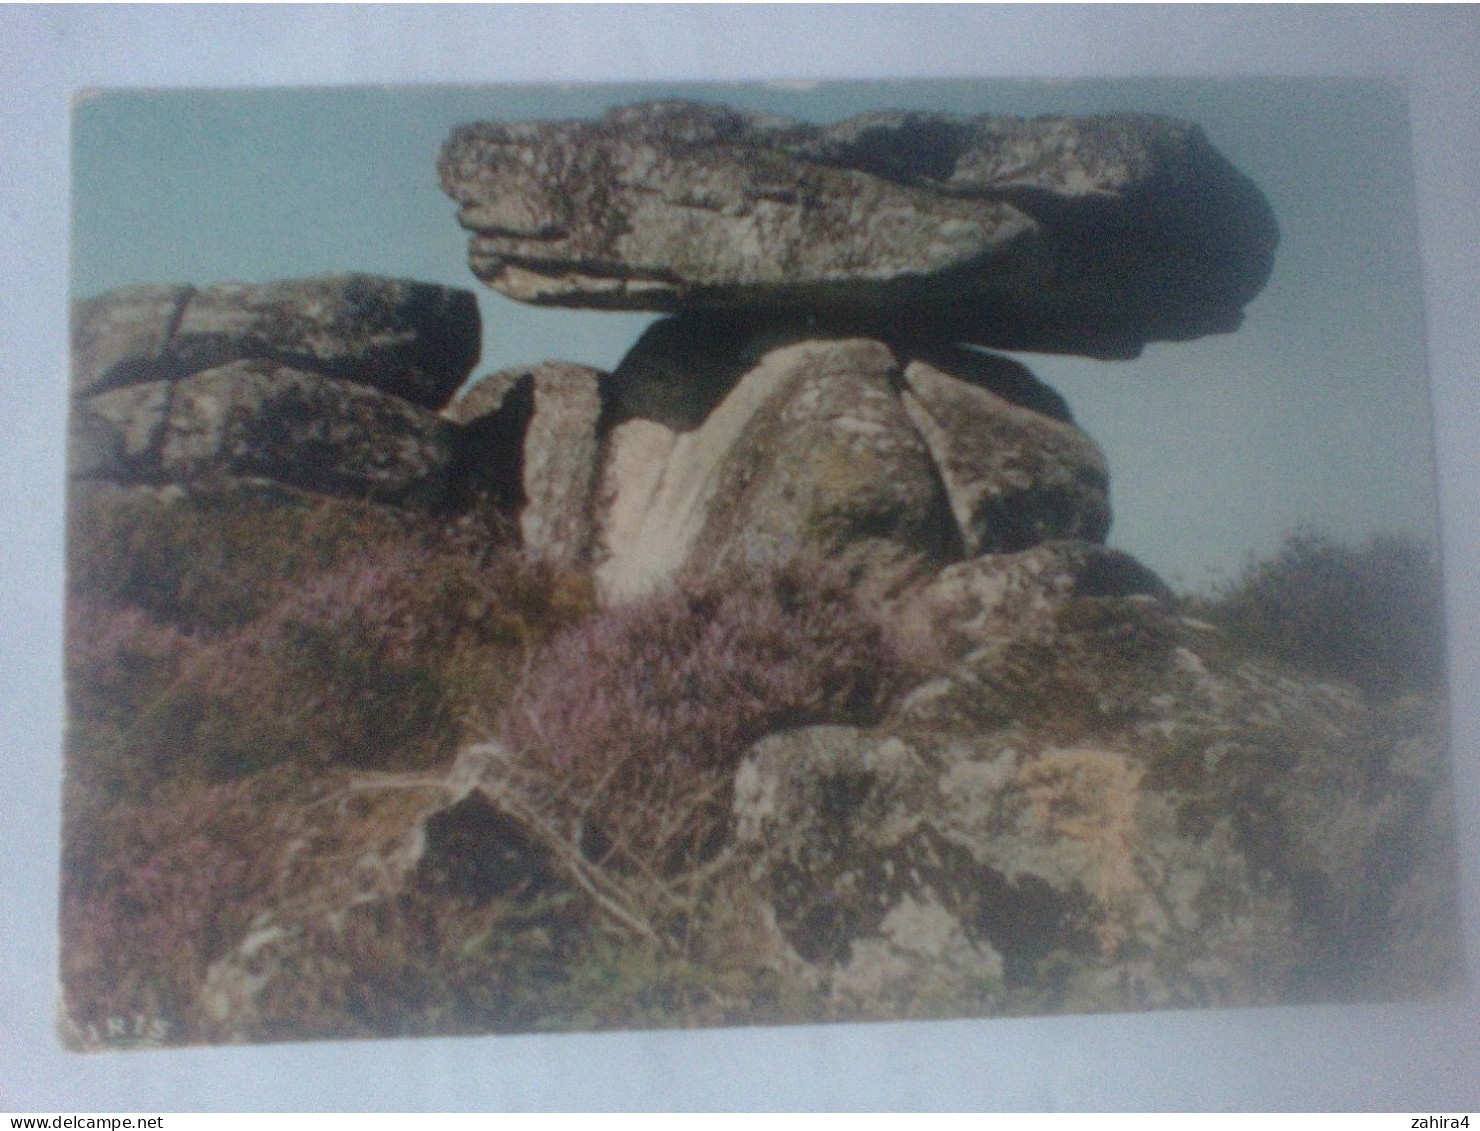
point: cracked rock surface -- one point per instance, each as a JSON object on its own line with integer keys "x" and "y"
{"x": 258, "y": 420}
{"x": 735, "y": 446}
{"x": 413, "y": 340}
{"x": 1096, "y": 802}
{"x": 1090, "y": 235}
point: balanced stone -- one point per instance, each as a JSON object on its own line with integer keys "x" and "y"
{"x": 1090, "y": 235}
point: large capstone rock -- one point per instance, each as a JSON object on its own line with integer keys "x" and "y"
{"x": 529, "y": 437}
{"x": 1088, "y": 235}
{"x": 1105, "y": 809}
{"x": 744, "y": 444}
{"x": 413, "y": 340}
{"x": 257, "y": 419}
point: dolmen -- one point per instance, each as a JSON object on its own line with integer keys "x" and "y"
{"x": 818, "y": 386}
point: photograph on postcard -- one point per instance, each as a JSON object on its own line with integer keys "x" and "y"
{"x": 614, "y": 557}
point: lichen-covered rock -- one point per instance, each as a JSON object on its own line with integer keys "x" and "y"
{"x": 371, "y": 861}
{"x": 995, "y": 373}
{"x": 1014, "y": 476}
{"x": 530, "y": 440}
{"x": 560, "y": 463}
{"x": 116, "y": 435}
{"x": 742, "y": 442}
{"x": 990, "y": 603}
{"x": 810, "y": 451}
{"x": 413, "y": 340}
{"x": 1096, "y": 803}
{"x": 257, "y": 419}
{"x": 1029, "y": 851}
{"x": 121, "y": 337}
{"x": 1128, "y": 815}
{"x": 488, "y": 395}
{"x": 1082, "y": 235}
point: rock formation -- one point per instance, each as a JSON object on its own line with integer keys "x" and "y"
{"x": 837, "y": 447}
{"x": 531, "y": 438}
{"x": 1094, "y": 807}
{"x": 325, "y": 384}
{"x": 1059, "y": 793}
{"x": 815, "y": 395}
{"x": 413, "y": 340}
{"x": 1081, "y": 235}
{"x": 255, "y": 419}
{"x": 1092, "y": 780}
{"x": 811, "y": 451}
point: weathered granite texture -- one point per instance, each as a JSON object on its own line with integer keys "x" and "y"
{"x": 1041, "y": 787}
{"x": 810, "y": 452}
{"x": 1079, "y": 235}
{"x": 1097, "y": 808}
{"x": 530, "y": 437}
{"x": 325, "y": 384}
{"x": 257, "y": 419}
{"x": 1094, "y": 806}
{"x": 414, "y": 340}
{"x": 742, "y": 445}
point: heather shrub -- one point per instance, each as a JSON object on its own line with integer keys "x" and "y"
{"x": 217, "y": 559}
{"x": 151, "y": 894}
{"x": 385, "y": 660}
{"x": 307, "y": 684}
{"x": 634, "y": 720}
{"x": 1371, "y": 615}
{"x": 385, "y": 656}
{"x": 120, "y": 659}
{"x": 131, "y": 704}
{"x": 342, "y": 670}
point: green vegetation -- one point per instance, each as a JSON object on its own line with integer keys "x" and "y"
{"x": 641, "y": 712}
{"x": 217, "y": 634}
{"x": 229, "y": 652}
{"x": 1371, "y": 615}
{"x": 243, "y": 667}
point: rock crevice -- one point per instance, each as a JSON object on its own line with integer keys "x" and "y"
{"x": 323, "y": 384}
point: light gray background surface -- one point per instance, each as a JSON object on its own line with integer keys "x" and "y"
{"x": 1420, "y": 1057}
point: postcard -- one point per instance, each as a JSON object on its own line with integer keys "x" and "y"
{"x": 557, "y": 559}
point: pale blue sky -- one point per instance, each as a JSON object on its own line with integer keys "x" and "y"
{"x": 1316, "y": 410}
